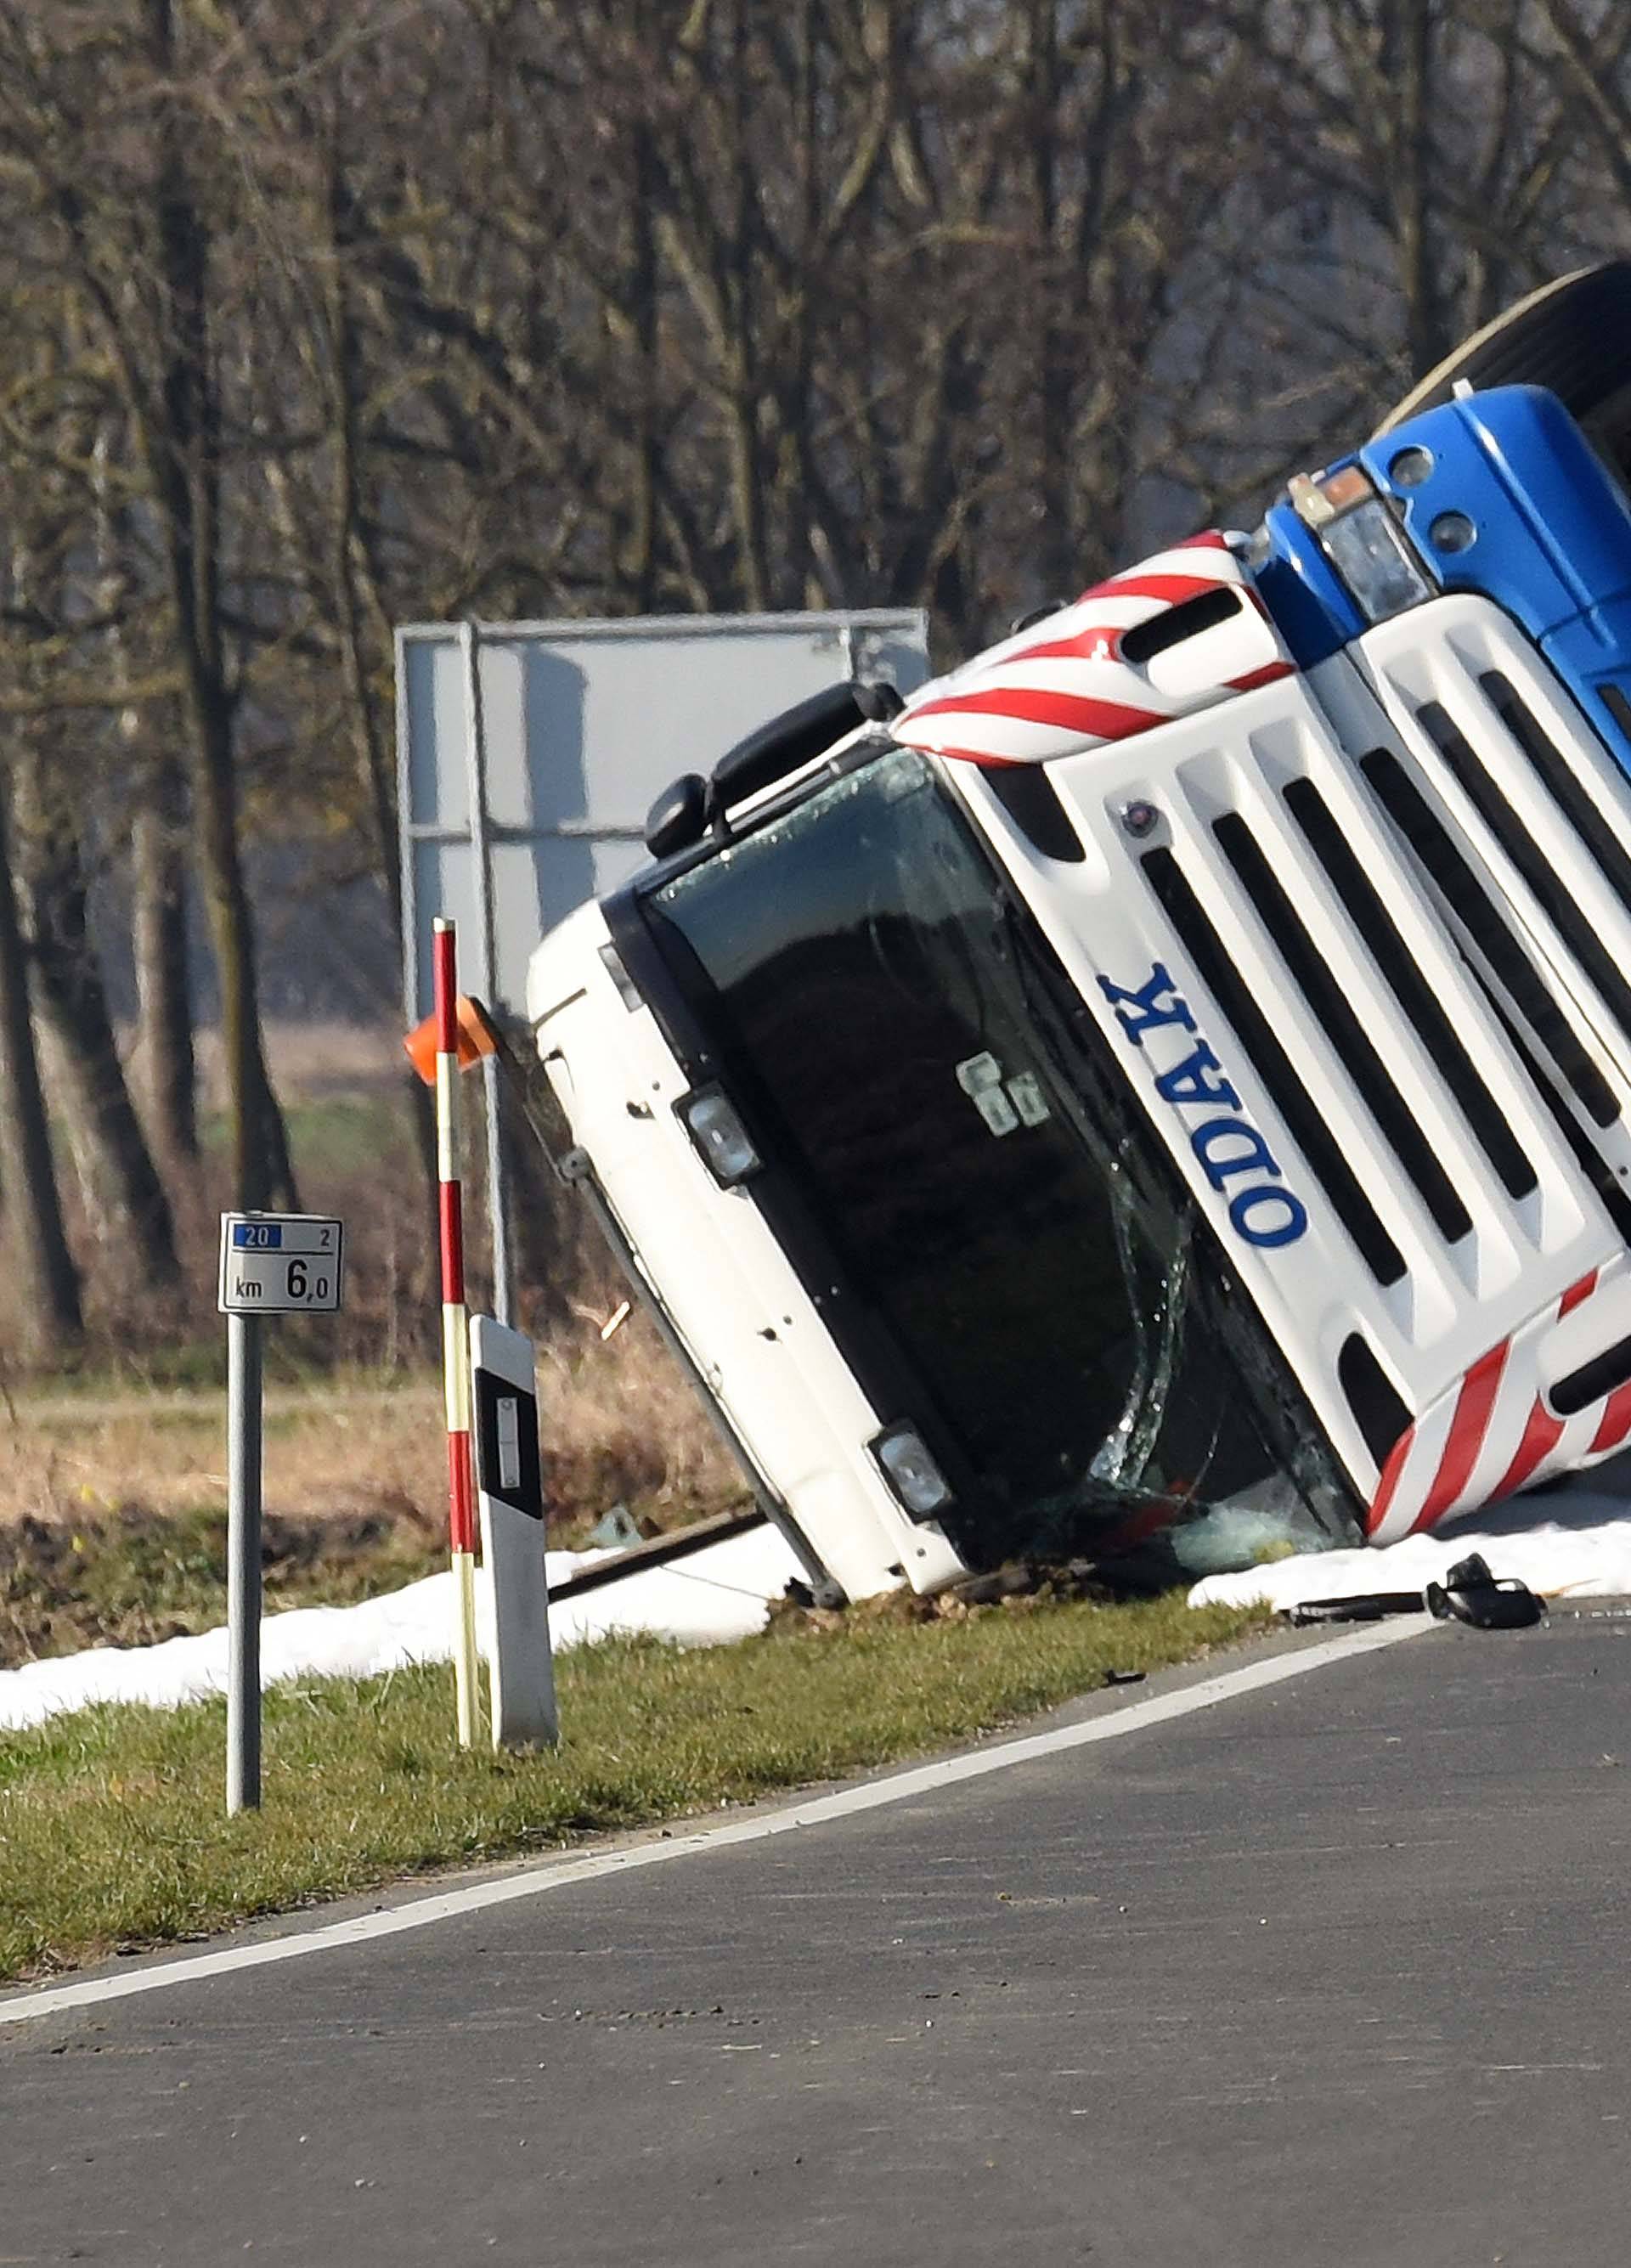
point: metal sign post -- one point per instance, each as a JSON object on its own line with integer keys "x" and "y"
{"x": 243, "y": 1562}
{"x": 487, "y": 969}
{"x": 271, "y": 1265}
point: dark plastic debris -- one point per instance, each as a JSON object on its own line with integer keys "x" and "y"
{"x": 1470, "y": 1593}
{"x": 1362, "y": 1607}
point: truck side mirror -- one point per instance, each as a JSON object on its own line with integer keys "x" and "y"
{"x": 678, "y": 818}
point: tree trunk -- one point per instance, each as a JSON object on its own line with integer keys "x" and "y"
{"x": 181, "y": 433}
{"x": 744, "y": 453}
{"x": 1409, "y": 69}
{"x": 163, "y": 989}
{"x": 125, "y": 1203}
{"x": 348, "y": 564}
{"x": 1058, "y": 365}
{"x": 262, "y": 1174}
{"x": 164, "y": 1040}
{"x": 46, "y": 1298}
{"x": 643, "y": 288}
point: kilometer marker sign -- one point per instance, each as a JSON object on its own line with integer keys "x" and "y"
{"x": 282, "y": 1264}
{"x": 272, "y": 1263}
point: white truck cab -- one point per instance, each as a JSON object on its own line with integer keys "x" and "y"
{"x": 1165, "y": 1086}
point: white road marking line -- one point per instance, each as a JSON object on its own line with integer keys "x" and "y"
{"x": 814, "y": 1811}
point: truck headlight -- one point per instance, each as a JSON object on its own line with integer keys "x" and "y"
{"x": 721, "y": 1140}
{"x": 1362, "y": 540}
{"x": 912, "y": 1472}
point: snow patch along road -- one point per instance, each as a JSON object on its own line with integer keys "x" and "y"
{"x": 721, "y": 1593}
{"x": 1573, "y": 1541}
{"x": 1569, "y": 1542}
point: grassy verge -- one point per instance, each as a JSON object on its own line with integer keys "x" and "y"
{"x": 111, "y": 1827}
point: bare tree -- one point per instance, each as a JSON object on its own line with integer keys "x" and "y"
{"x": 126, "y": 219}
{"x": 327, "y": 316}
{"x": 48, "y": 1308}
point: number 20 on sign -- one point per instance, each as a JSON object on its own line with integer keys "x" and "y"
{"x": 280, "y": 1263}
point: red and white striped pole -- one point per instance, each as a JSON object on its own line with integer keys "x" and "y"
{"x": 456, "y": 1334}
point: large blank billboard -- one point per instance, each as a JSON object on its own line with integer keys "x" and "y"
{"x": 577, "y": 726}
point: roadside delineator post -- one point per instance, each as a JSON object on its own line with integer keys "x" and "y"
{"x": 509, "y": 1484}
{"x": 455, "y": 1333}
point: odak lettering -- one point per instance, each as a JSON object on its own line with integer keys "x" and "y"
{"x": 1226, "y": 1146}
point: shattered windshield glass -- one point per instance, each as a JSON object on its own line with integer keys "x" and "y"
{"x": 910, "y": 1052}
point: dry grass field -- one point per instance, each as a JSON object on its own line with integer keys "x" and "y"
{"x": 113, "y": 1521}
{"x": 619, "y": 1426}
{"x": 112, "y": 1476}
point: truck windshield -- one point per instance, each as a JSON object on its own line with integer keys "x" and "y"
{"x": 908, "y": 1050}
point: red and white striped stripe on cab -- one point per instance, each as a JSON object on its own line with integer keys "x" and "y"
{"x": 1495, "y": 1432}
{"x": 1065, "y": 685}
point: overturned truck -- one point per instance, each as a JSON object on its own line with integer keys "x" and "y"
{"x": 1164, "y": 1087}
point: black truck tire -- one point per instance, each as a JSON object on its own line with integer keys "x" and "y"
{"x": 1573, "y": 336}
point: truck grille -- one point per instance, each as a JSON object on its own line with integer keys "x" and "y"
{"x": 1308, "y": 1124}
{"x": 1475, "y": 775}
{"x": 1306, "y": 972}
{"x": 1294, "y": 913}
{"x": 1515, "y": 808}
{"x": 1396, "y": 954}
{"x": 1488, "y": 929}
{"x": 1420, "y": 1005}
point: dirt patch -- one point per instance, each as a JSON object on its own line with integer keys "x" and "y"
{"x": 1021, "y": 1587}
{"x": 134, "y": 1577}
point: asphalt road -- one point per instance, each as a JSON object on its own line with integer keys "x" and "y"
{"x": 1333, "y": 1974}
